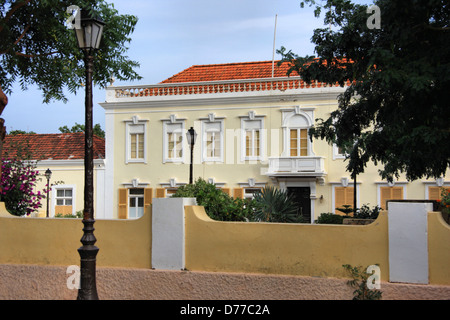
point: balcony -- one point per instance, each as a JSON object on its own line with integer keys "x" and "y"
{"x": 296, "y": 167}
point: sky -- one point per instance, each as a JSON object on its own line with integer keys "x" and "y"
{"x": 172, "y": 35}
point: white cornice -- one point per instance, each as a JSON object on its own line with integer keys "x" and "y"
{"x": 73, "y": 162}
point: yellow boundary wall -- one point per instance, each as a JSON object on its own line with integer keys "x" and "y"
{"x": 277, "y": 248}
{"x": 54, "y": 241}
{"x": 212, "y": 246}
{"x": 307, "y": 250}
{"x": 438, "y": 249}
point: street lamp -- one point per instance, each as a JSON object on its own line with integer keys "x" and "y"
{"x": 191, "y": 136}
{"x": 88, "y": 36}
{"x": 48, "y": 175}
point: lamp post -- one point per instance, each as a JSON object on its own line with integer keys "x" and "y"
{"x": 88, "y": 36}
{"x": 191, "y": 136}
{"x": 48, "y": 175}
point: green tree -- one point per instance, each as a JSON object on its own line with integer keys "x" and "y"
{"x": 16, "y": 132}
{"x": 98, "y": 131}
{"x": 37, "y": 47}
{"x": 395, "y": 111}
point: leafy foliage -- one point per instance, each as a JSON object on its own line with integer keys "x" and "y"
{"x": 444, "y": 202}
{"x": 395, "y": 111}
{"x": 275, "y": 205}
{"x": 330, "y": 218}
{"x": 16, "y": 132}
{"x": 38, "y": 48}
{"x": 346, "y": 209}
{"x": 359, "y": 281}
{"x": 366, "y": 213}
{"x": 97, "y": 129}
{"x": 218, "y": 205}
{"x": 77, "y": 215}
{"x": 18, "y": 182}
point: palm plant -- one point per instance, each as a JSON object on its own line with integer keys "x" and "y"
{"x": 275, "y": 205}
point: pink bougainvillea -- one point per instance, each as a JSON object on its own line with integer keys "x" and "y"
{"x": 18, "y": 187}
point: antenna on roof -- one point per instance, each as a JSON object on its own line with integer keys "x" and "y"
{"x": 274, "y": 37}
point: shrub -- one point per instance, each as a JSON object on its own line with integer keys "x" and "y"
{"x": 366, "y": 213}
{"x": 218, "y": 205}
{"x": 330, "y": 218}
{"x": 274, "y": 205}
{"x": 18, "y": 184}
{"x": 346, "y": 209}
{"x": 359, "y": 282}
{"x": 77, "y": 215}
{"x": 444, "y": 202}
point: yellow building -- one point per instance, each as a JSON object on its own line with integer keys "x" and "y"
{"x": 252, "y": 123}
{"x": 63, "y": 155}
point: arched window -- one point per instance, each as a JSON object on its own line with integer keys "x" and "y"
{"x": 296, "y": 140}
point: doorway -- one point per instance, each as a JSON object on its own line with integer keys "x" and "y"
{"x": 302, "y": 197}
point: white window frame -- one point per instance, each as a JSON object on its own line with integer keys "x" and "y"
{"x": 54, "y": 192}
{"x": 345, "y": 182}
{"x": 439, "y": 182}
{"x": 245, "y": 121}
{"x": 136, "y": 197}
{"x": 173, "y": 122}
{"x": 296, "y": 118}
{"x": 204, "y": 134}
{"x": 128, "y": 131}
{"x": 336, "y": 154}
{"x": 251, "y": 184}
{"x": 391, "y": 184}
{"x": 172, "y": 185}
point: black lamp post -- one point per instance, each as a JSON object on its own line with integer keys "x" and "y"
{"x": 48, "y": 175}
{"x": 88, "y": 35}
{"x": 191, "y": 136}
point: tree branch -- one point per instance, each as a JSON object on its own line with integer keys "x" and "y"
{"x": 18, "y": 39}
{"x": 14, "y": 9}
{"x": 34, "y": 55}
{"x": 22, "y": 35}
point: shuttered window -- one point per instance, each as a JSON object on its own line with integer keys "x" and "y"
{"x": 238, "y": 193}
{"x": 434, "y": 193}
{"x": 390, "y": 193}
{"x": 160, "y": 192}
{"x": 226, "y": 191}
{"x": 343, "y": 196}
{"x": 134, "y": 202}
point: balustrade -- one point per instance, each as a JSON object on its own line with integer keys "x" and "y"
{"x": 218, "y": 87}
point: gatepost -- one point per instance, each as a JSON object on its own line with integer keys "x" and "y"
{"x": 168, "y": 234}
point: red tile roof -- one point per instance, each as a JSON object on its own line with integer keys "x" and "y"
{"x": 225, "y": 78}
{"x": 230, "y": 71}
{"x": 58, "y": 146}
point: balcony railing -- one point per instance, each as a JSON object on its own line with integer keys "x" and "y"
{"x": 214, "y": 87}
{"x": 296, "y": 166}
